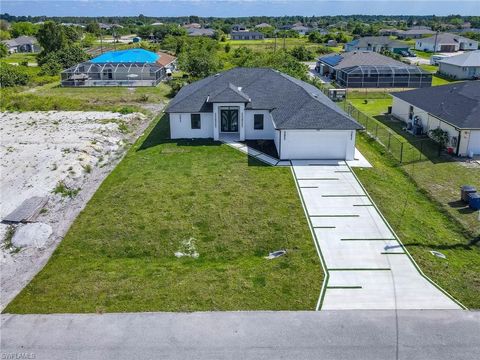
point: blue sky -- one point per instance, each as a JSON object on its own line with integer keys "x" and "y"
{"x": 232, "y": 8}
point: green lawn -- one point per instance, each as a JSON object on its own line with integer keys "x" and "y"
{"x": 423, "y": 54}
{"x": 17, "y": 58}
{"x": 440, "y": 177}
{"x": 54, "y": 97}
{"x": 423, "y": 224}
{"x": 119, "y": 253}
{"x": 269, "y": 44}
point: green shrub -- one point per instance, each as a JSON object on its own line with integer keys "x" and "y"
{"x": 11, "y": 75}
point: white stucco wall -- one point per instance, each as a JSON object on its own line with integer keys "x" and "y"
{"x": 268, "y": 132}
{"x": 470, "y": 142}
{"x": 400, "y": 109}
{"x": 317, "y": 144}
{"x": 181, "y": 126}
{"x": 459, "y": 72}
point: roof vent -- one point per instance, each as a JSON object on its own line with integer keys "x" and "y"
{"x": 217, "y": 75}
{"x": 239, "y": 88}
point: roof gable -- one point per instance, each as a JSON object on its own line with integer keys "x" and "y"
{"x": 457, "y": 104}
{"x": 294, "y": 104}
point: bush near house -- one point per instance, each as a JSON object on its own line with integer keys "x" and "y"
{"x": 11, "y": 75}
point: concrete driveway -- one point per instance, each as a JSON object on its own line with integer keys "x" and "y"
{"x": 367, "y": 267}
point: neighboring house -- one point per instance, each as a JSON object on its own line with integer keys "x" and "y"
{"x": 332, "y": 43}
{"x": 455, "y": 108}
{"x": 463, "y": 66}
{"x": 246, "y": 35}
{"x": 192, "y": 26}
{"x": 302, "y": 30}
{"x": 446, "y": 42}
{"x": 263, "y": 26}
{"x": 377, "y": 44}
{"x": 136, "y": 39}
{"x": 239, "y": 27}
{"x": 388, "y": 32}
{"x": 22, "y": 44}
{"x": 132, "y": 67}
{"x": 264, "y": 104}
{"x": 368, "y": 69}
{"x": 200, "y": 32}
{"x": 414, "y": 33}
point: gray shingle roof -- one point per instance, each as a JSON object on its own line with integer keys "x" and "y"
{"x": 356, "y": 58}
{"x": 294, "y": 104}
{"x": 367, "y": 41}
{"x": 228, "y": 94}
{"x": 445, "y": 38}
{"x": 457, "y": 104}
{"x": 471, "y": 58}
{"x": 21, "y": 40}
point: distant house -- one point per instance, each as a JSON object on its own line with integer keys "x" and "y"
{"x": 200, "y": 32}
{"x": 132, "y": 67}
{"x": 264, "y": 104}
{"x": 263, "y": 26}
{"x": 463, "y": 66}
{"x": 388, "y": 32}
{"x": 239, "y": 27}
{"x": 246, "y": 35}
{"x": 414, "y": 33}
{"x": 22, "y": 44}
{"x": 454, "y": 108}
{"x": 302, "y": 30}
{"x": 332, "y": 43}
{"x": 192, "y": 26}
{"x": 157, "y": 24}
{"x": 446, "y": 42}
{"x": 376, "y": 44}
{"x": 368, "y": 69}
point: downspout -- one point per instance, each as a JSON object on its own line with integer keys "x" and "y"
{"x": 458, "y": 142}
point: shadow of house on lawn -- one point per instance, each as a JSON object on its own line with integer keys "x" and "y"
{"x": 160, "y": 134}
{"x": 426, "y": 147}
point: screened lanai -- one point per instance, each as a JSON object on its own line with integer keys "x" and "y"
{"x": 383, "y": 76}
{"x": 113, "y": 74}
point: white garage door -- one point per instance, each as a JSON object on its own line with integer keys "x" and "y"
{"x": 474, "y": 142}
{"x": 313, "y": 144}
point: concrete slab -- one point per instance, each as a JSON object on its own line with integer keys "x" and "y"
{"x": 268, "y": 159}
{"x": 367, "y": 266}
{"x": 359, "y": 160}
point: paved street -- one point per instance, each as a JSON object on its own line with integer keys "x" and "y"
{"x": 367, "y": 266}
{"x": 438, "y": 335}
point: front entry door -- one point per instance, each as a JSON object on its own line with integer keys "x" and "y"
{"x": 229, "y": 120}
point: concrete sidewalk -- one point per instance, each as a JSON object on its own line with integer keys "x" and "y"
{"x": 345, "y": 335}
{"x": 367, "y": 268}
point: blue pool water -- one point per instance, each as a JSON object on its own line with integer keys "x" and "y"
{"x": 127, "y": 56}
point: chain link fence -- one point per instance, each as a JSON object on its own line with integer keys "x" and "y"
{"x": 403, "y": 150}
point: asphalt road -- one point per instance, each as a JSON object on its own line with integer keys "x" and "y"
{"x": 422, "y": 334}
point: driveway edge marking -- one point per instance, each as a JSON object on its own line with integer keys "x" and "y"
{"x": 315, "y": 241}
{"x": 403, "y": 246}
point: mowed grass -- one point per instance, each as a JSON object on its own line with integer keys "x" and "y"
{"x": 441, "y": 178}
{"x": 422, "y": 224}
{"x": 119, "y": 253}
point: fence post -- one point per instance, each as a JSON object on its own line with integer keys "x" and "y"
{"x": 376, "y": 131}
{"x": 401, "y": 152}
{"x": 389, "y": 138}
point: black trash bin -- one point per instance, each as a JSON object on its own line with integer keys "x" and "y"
{"x": 465, "y": 190}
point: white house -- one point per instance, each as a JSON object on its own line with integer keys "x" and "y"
{"x": 463, "y": 67}
{"x": 455, "y": 108}
{"x": 445, "y": 42}
{"x": 264, "y": 104}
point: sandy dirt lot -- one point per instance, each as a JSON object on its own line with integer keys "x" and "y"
{"x": 60, "y": 155}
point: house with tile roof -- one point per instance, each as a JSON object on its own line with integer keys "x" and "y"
{"x": 264, "y": 104}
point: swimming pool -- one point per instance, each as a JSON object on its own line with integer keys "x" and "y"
{"x": 127, "y": 56}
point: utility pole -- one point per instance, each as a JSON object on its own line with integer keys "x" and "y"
{"x": 284, "y": 37}
{"x": 435, "y": 46}
{"x": 275, "y": 47}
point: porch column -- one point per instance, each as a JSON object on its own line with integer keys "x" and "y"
{"x": 216, "y": 123}
{"x": 242, "y": 120}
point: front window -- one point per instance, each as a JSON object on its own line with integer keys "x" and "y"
{"x": 258, "y": 122}
{"x": 195, "y": 119}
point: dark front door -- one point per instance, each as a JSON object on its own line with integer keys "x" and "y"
{"x": 229, "y": 120}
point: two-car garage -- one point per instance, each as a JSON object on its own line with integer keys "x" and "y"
{"x": 315, "y": 144}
